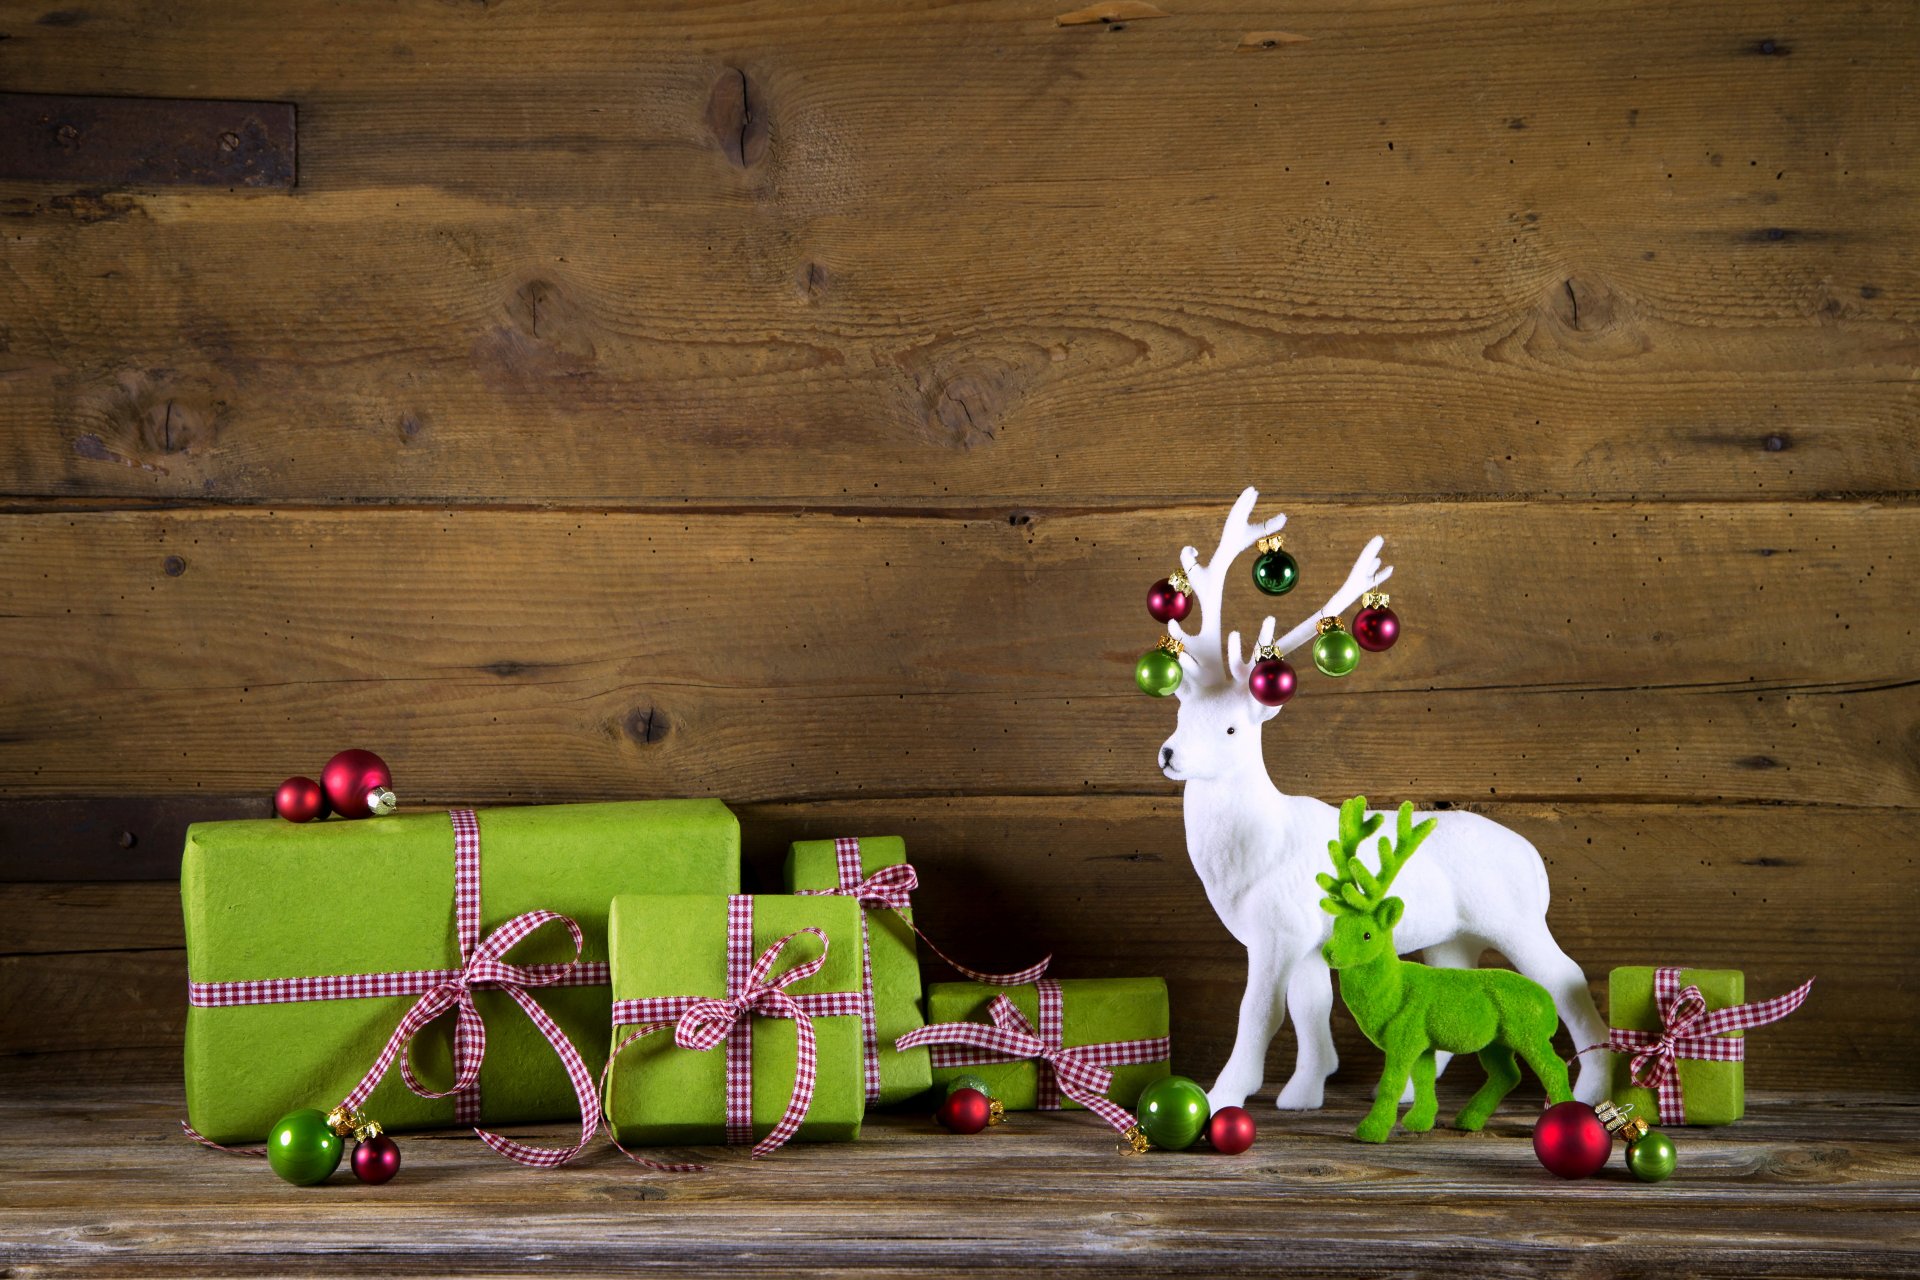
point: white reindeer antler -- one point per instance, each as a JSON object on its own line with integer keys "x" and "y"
{"x": 1203, "y": 659}
{"x": 1366, "y": 574}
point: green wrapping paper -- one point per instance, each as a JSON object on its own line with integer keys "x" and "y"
{"x": 272, "y": 899}
{"x": 813, "y": 864}
{"x": 660, "y": 1094}
{"x": 1715, "y": 1092}
{"x": 1095, "y": 1011}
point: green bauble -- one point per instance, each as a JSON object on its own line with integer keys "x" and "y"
{"x": 1276, "y": 572}
{"x": 1336, "y": 653}
{"x": 1652, "y": 1158}
{"x": 303, "y": 1149}
{"x": 1157, "y": 673}
{"x": 974, "y": 1083}
{"x": 1173, "y": 1112}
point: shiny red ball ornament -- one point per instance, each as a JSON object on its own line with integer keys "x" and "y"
{"x": 966, "y": 1111}
{"x": 1230, "y": 1130}
{"x": 358, "y": 784}
{"x": 300, "y": 800}
{"x": 1167, "y": 603}
{"x": 376, "y": 1160}
{"x": 1271, "y": 682}
{"x": 1376, "y": 626}
{"x": 1570, "y": 1140}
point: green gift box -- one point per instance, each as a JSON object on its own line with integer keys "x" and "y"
{"x": 831, "y": 865}
{"x": 270, "y": 899}
{"x": 667, "y": 949}
{"x": 1090, "y": 1011}
{"x": 1714, "y": 1092}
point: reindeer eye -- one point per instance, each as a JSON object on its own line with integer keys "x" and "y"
{"x": 1366, "y": 937}
{"x": 1229, "y": 728}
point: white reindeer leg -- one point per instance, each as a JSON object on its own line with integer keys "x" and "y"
{"x": 1310, "y": 1005}
{"x": 1535, "y": 953}
{"x": 1261, "y": 1007}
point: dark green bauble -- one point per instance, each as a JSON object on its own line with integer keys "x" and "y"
{"x": 1336, "y": 653}
{"x": 974, "y": 1083}
{"x": 1276, "y": 572}
{"x": 303, "y": 1149}
{"x": 1652, "y": 1158}
{"x": 1157, "y": 673}
{"x": 1173, "y": 1112}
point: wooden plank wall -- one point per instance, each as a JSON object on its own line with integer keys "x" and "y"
{"x": 793, "y": 402}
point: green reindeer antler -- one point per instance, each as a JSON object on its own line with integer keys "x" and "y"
{"x": 1354, "y": 890}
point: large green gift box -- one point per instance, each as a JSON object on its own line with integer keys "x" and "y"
{"x": 1713, "y": 1092}
{"x": 277, "y": 900}
{"x": 669, "y": 948}
{"x": 1091, "y": 1011}
{"x": 828, "y": 866}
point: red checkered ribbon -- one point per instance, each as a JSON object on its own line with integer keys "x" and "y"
{"x": 483, "y": 966}
{"x": 703, "y": 1023}
{"x": 1688, "y": 1030}
{"x": 890, "y": 889}
{"x": 1079, "y": 1071}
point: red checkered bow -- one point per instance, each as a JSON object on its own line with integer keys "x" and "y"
{"x": 703, "y": 1023}
{"x": 1080, "y": 1071}
{"x": 890, "y": 889}
{"x": 1689, "y": 1031}
{"x": 483, "y": 966}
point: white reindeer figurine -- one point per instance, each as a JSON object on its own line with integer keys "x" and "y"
{"x": 1257, "y": 850}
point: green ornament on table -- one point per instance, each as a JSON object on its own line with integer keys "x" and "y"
{"x": 1158, "y": 671}
{"x": 969, "y": 1082}
{"x": 303, "y": 1148}
{"x": 1173, "y": 1112}
{"x": 1335, "y": 651}
{"x": 1275, "y": 572}
{"x": 1652, "y": 1158}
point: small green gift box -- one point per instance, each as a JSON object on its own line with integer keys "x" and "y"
{"x": 738, "y": 969}
{"x": 1654, "y": 1011}
{"x": 307, "y": 944}
{"x": 1118, "y": 1023}
{"x": 873, "y": 870}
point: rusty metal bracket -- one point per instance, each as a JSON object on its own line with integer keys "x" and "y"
{"x": 112, "y": 142}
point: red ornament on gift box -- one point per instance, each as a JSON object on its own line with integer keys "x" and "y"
{"x": 300, "y": 800}
{"x": 376, "y": 1160}
{"x": 358, "y": 784}
{"x": 1571, "y": 1141}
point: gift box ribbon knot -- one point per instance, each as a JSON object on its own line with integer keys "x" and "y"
{"x": 704, "y": 1023}
{"x": 890, "y": 889}
{"x": 483, "y": 966}
{"x": 1079, "y": 1071}
{"x": 1689, "y": 1030}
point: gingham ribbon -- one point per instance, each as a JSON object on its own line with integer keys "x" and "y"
{"x": 1079, "y": 1071}
{"x": 703, "y": 1023}
{"x": 1688, "y": 1030}
{"x": 483, "y": 966}
{"x": 890, "y": 889}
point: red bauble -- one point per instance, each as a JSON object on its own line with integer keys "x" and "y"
{"x": 376, "y": 1160}
{"x": 1166, "y": 603}
{"x": 1230, "y": 1130}
{"x": 1571, "y": 1141}
{"x": 1376, "y": 628}
{"x": 966, "y": 1111}
{"x": 353, "y": 779}
{"x": 1271, "y": 682}
{"x": 300, "y": 800}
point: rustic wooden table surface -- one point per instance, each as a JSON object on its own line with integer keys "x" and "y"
{"x": 99, "y": 1181}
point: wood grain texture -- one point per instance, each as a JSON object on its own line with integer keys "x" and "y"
{"x": 1103, "y": 883}
{"x": 1799, "y": 1188}
{"x": 876, "y": 254}
{"x": 1552, "y": 651}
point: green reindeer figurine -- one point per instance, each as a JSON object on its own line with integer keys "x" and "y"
{"x": 1410, "y": 1010}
